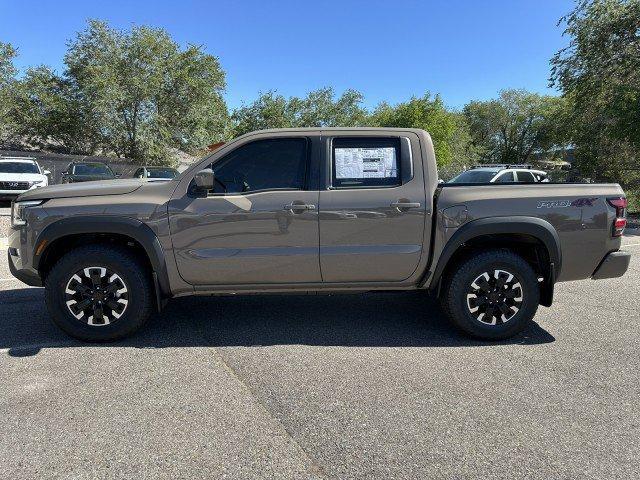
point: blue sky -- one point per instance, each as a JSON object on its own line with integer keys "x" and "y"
{"x": 388, "y": 50}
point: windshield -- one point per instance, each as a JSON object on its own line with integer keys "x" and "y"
{"x": 18, "y": 167}
{"x": 161, "y": 172}
{"x": 474, "y": 176}
{"x": 92, "y": 169}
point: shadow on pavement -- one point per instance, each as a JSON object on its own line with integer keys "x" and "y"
{"x": 406, "y": 319}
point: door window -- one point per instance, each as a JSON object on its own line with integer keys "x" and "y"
{"x": 506, "y": 177}
{"x": 366, "y": 162}
{"x": 273, "y": 164}
{"x": 525, "y": 177}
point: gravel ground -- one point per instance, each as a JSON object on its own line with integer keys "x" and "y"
{"x": 5, "y": 222}
{"x": 355, "y": 386}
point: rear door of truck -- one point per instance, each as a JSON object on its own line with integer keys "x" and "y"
{"x": 372, "y": 206}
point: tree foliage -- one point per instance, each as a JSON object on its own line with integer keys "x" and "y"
{"x": 599, "y": 75}
{"x": 7, "y": 84}
{"x": 320, "y": 108}
{"x": 144, "y": 93}
{"x": 512, "y": 127}
{"x": 445, "y": 127}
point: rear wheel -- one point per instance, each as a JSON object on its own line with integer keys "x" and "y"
{"x": 99, "y": 293}
{"x": 492, "y": 295}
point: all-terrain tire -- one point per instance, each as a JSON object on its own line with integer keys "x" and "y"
{"x": 131, "y": 293}
{"x": 467, "y": 293}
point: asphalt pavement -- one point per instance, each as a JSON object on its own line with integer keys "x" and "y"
{"x": 353, "y": 386}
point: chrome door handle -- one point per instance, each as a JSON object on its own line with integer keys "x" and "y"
{"x": 400, "y": 205}
{"x": 299, "y": 206}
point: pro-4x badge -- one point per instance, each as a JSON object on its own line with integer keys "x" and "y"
{"x": 579, "y": 202}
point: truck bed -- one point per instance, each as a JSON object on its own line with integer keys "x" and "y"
{"x": 579, "y": 213}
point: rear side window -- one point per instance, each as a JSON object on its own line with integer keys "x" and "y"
{"x": 279, "y": 163}
{"x": 506, "y": 177}
{"x": 525, "y": 177}
{"x": 366, "y": 162}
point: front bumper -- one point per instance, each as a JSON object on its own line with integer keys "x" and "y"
{"x": 613, "y": 265}
{"x": 19, "y": 259}
{"x": 24, "y": 275}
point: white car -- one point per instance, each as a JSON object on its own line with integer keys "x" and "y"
{"x": 20, "y": 174}
{"x": 501, "y": 174}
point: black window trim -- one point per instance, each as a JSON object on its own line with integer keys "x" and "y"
{"x": 305, "y": 186}
{"x": 403, "y": 179}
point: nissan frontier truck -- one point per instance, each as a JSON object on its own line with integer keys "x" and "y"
{"x": 313, "y": 210}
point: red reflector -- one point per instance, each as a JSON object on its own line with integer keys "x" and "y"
{"x": 618, "y": 226}
{"x": 619, "y": 202}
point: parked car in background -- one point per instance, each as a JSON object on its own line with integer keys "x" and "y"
{"x": 19, "y": 174}
{"x": 155, "y": 174}
{"x": 87, "y": 172}
{"x": 501, "y": 174}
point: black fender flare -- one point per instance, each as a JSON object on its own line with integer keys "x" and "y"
{"x": 92, "y": 224}
{"x": 533, "y": 226}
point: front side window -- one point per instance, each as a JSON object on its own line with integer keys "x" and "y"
{"x": 279, "y": 163}
{"x": 366, "y": 162}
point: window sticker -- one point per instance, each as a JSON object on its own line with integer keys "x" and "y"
{"x": 366, "y": 163}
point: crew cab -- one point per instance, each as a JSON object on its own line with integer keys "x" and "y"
{"x": 19, "y": 174}
{"x": 311, "y": 210}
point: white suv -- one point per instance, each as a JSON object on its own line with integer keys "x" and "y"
{"x": 501, "y": 174}
{"x": 19, "y": 174}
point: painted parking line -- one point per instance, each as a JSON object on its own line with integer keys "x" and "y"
{"x": 4, "y": 243}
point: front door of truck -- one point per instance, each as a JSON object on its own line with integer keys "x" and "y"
{"x": 372, "y": 208}
{"x": 259, "y": 225}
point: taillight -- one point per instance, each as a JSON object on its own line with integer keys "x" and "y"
{"x": 620, "y": 204}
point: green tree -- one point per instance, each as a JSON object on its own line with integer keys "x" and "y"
{"x": 320, "y": 108}
{"x": 49, "y": 112}
{"x": 512, "y": 127}
{"x": 599, "y": 76}
{"x": 269, "y": 110}
{"x": 143, "y": 93}
{"x": 447, "y": 129}
{"x": 7, "y": 85}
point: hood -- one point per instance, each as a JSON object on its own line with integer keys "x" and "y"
{"x": 83, "y": 189}
{"x": 21, "y": 177}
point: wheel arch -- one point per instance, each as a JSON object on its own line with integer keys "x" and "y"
{"x": 62, "y": 235}
{"x": 516, "y": 233}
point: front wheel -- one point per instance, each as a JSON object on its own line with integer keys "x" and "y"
{"x": 99, "y": 293}
{"x": 492, "y": 295}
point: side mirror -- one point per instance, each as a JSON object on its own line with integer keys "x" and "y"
{"x": 117, "y": 175}
{"x": 46, "y": 172}
{"x": 203, "y": 181}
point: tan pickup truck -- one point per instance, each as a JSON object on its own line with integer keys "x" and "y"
{"x": 308, "y": 210}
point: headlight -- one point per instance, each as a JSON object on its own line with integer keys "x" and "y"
{"x": 18, "y": 211}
